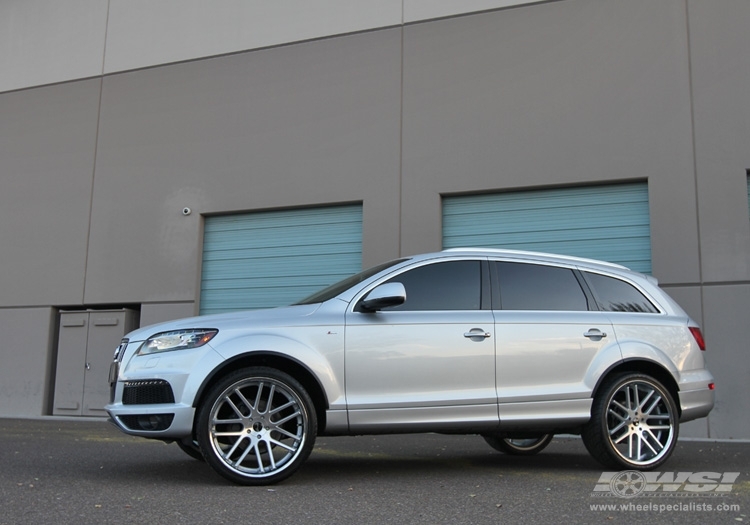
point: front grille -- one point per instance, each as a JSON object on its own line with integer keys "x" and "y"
{"x": 120, "y": 352}
{"x": 148, "y": 392}
{"x": 152, "y": 422}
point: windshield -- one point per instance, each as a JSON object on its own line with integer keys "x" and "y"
{"x": 335, "y": 289}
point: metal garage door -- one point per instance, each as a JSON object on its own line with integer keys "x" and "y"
{"x": 274, "y": 258}
{"x": 600, "y": 222}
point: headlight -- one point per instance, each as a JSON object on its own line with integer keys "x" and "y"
{"x": 177, "y": 340}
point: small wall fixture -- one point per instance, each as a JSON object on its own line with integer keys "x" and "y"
{"x": 186, "y": 211}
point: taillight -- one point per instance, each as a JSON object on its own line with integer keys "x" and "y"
{"x": 698, "y": 337}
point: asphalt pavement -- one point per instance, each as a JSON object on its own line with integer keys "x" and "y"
{"x": 87, "y": 472}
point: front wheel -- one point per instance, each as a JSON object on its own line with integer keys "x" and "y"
{"x": 634, "y": 423}
{"x": 257, "y": 426}
{"x": 519, "y": 446}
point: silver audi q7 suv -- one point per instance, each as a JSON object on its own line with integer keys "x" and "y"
{"x": 513, "y": 346}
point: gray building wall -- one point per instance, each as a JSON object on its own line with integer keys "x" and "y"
{"x": 95, "y": 172}
{"x": 720, "y": 62}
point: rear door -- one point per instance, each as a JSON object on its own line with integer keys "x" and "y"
{"x": 547, "y": 342}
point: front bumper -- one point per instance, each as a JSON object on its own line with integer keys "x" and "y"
{"x": 153, "y": 395}
{"x": 153, "y": 421}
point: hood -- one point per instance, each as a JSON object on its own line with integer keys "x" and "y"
{"x": 271, "y": 316}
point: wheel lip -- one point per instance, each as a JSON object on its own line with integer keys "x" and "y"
{"x": 289, "y": 459}
{"x": 673, "y": 422}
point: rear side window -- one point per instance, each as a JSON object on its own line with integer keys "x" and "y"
{"x": 539, "y": 287}
{"x": 614, "y": 295}
{"x": 453, "y": 285}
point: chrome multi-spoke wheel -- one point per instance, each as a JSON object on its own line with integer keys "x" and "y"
{"x": 257, "y": 426}
{"x": 634, "y": 423}
{"x": 639, "y": 422}
{"x": 518, "y": 445}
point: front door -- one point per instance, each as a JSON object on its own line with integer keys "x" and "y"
{"x": 430, "y": 362}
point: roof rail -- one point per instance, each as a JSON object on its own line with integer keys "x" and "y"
{"x": 503, "y": 251}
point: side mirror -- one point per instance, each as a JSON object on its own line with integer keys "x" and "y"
{"x": 388, "y": 294}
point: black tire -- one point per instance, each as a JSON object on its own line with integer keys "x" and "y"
{"x": 256, "y": 426}
{"x": 191, "y": 448}
{"x": 634, "y": 423}
{"x": 519, "y": 446}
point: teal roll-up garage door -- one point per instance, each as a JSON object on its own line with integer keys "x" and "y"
{"x": 274, "y": 258}
{"x": 609, "y": 222}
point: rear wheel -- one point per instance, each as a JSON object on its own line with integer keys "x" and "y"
{"x": 257, "y": 426}
{"x": 634, "y": 423}
{"x": 519, "y": 446}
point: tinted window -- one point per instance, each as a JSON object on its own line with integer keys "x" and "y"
{"x": 615, "y": 295}
{"x": 454, "y": 285}
{"x": 538, "y": 287}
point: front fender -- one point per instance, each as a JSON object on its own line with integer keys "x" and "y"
{"x": 320, "y": 350}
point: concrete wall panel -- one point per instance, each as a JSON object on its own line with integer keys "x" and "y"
{"x": 144, "y": 33}
{"x": 43, "y": 42}
{"x": 727, "y": 331}
{"x": 47, "y": 143}
{"x": 416, "y": 10}
{"x": 27, "y": 362}
{"x": 720, "y": 52}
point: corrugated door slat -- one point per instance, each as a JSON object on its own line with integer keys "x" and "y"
{"x": 266, "y": 259}
{"x": 601, "y": 222}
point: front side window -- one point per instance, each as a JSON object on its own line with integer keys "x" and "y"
{"x": 538, "y": 287}
{"x": 614, "y": 295}
{"x": 452, "y": 285}
{"x": 336, "y": 288}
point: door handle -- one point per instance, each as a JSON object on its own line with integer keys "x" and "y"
{"x": 477, "y": 333}
{"x": 595, "y": 333}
